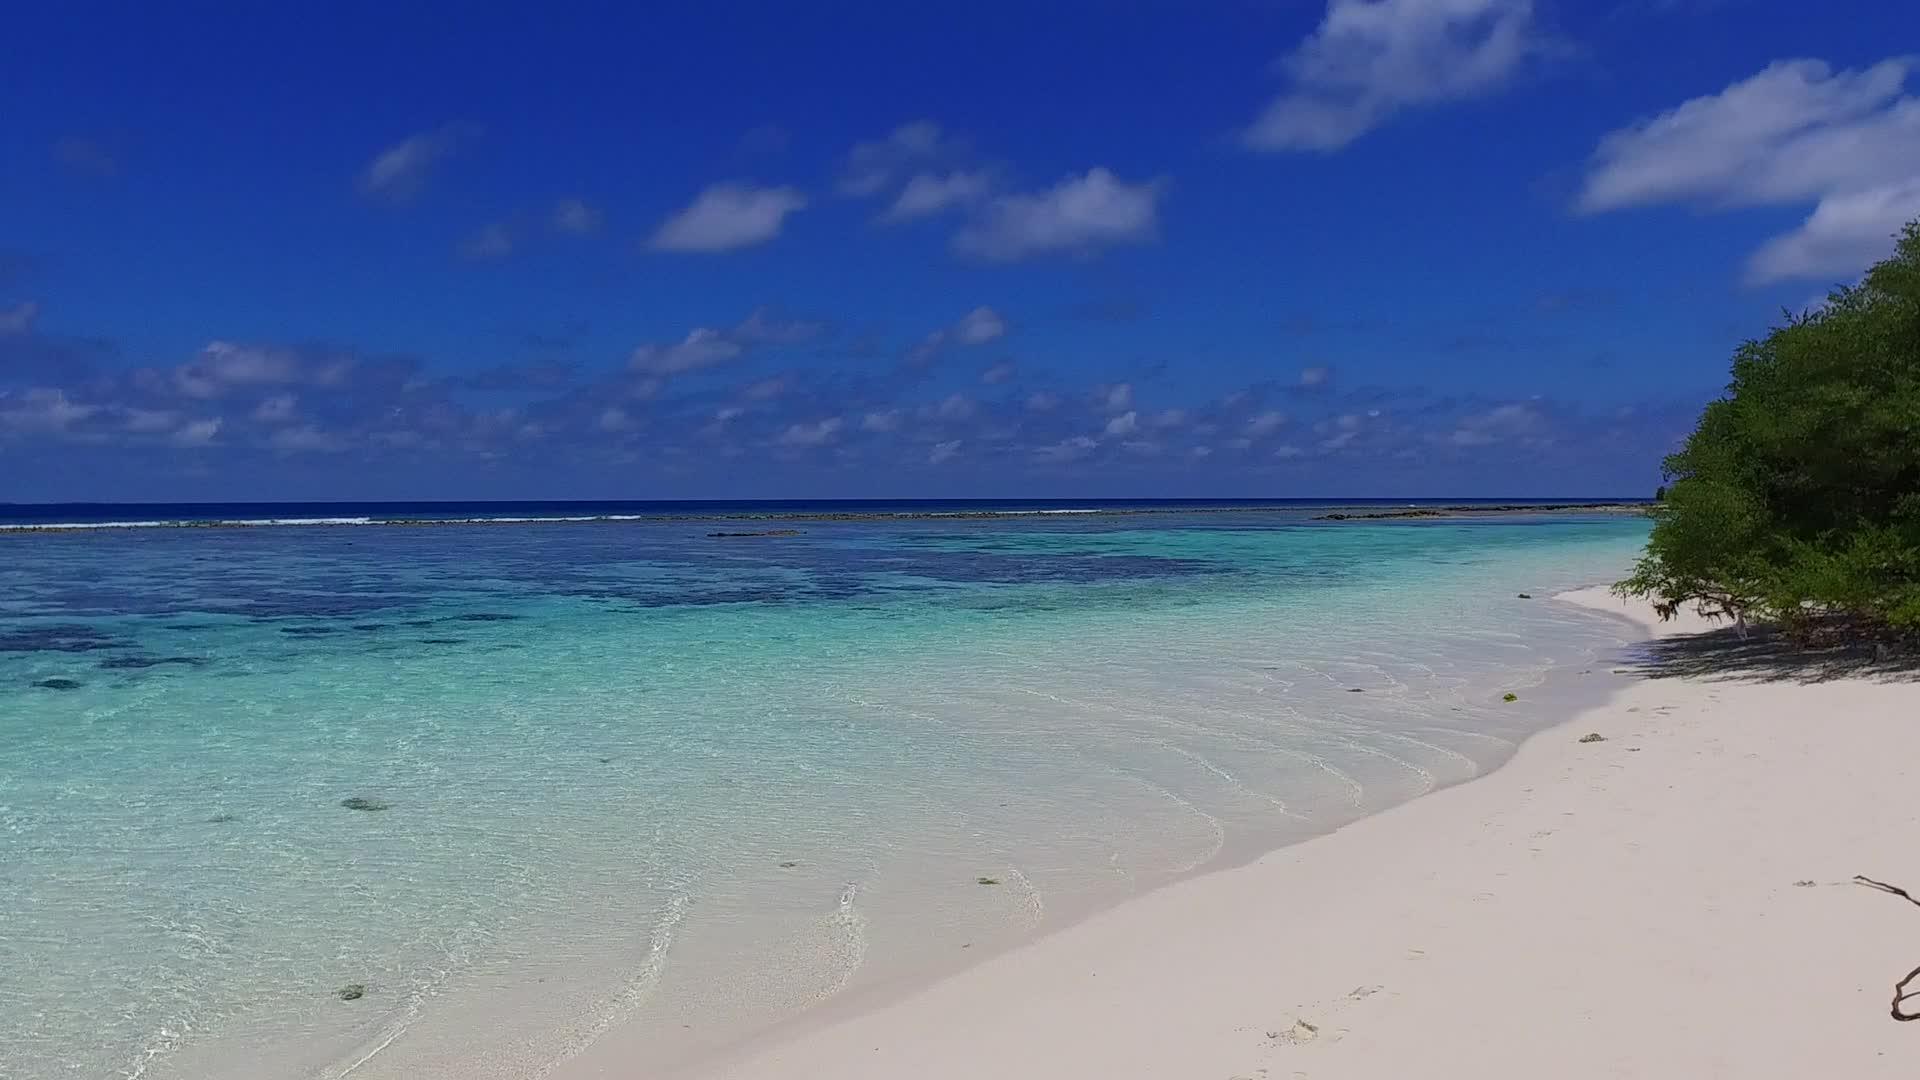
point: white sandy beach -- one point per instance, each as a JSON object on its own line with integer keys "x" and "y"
{"x": 1674, "y": 901}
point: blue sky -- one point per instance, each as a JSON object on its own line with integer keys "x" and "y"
{"x": 1366, "y": 247}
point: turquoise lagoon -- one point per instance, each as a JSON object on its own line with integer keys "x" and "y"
{"x": 627, "y": 776}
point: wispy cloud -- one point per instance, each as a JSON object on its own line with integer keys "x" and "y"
{"x": 19, "y": 318}
{"x": 87, "y": 156}
{"x": 706, "y": 347}
{"x": 728, "y": 217}
{"x": 929, "y": 193}
{"x": 1798, "y": 132}
{"x": 1370, "y": 59}
{"x": 817, "y": 433}
{"x": 976, "y": 327}
{"x": 1079, "y": 215}
{"x": 488, "y": 243}
{"x": 399, "y": 172}
{"x": 872, "y": 167}
{"x": 577, "y": 217}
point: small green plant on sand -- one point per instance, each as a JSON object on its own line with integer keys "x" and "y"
{"x": 1509, "y": 696}
{"x": 988, "y": 880}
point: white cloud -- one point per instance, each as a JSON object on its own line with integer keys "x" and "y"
{"x": 1170, "y": 418}
{"x": 998, "y": 373}
{"x": 943, "y": 452}
{"x": 42, "y": 410}
{"x": 976, "y": 327}
{"x": 762, "y": 328}
{"x": 400, "y": 171}
{"x": 615, "y": 418}
{"x": 885, "y": 420}
{"x": 1369, "y": 59}
{"x": 1117, "y": 397}
{"x": 19, "y": 318}
{"x": 872, "y": 167}
{"x": 1079, "y": 215}
{"x": 489, "y": 242}
{"x": 932, "y": 193}
{"x": 305, "y": 438}
{"x": 1799, "y": 132}
{"x": 197, "y": 433}
{"x": 1287, "y": 452}
{"x": 764, "y": 389}
{"x": 706, "y": 347}
{"x": 979, "y": 326}
{"x": 727, "y": 217}
{"x": 1794, "y": 132}
{"x": 815, "y": 434}
{"x": 577, "y": 217}
{"x": 149, "y": 421}
{"x": 1843, "y": 235}
{"x": 1499, "y": 424}
{"x": 223, "y": 365}
{"x": 703, "y": 348}
{"x": 1124, "y": 424}
{"x": 954, "y": 407}
{"x": 1066, "y": 450}
{"x": 1315, "y": 376}
{"x": 274, "y": 410}
{"x": 1266, "y": 424}
{"x": 1042, "y": 401}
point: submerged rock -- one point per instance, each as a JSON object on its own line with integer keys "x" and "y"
{"x": 443, "y": 641}
{"x": 1526, "y": 596}
{"x": 57, "y": 683}
{"x": 351, "y": 992}
{"x": 484, "y": 616}
{"x": 762, "y": 532}
{"x": 360, "y": 802}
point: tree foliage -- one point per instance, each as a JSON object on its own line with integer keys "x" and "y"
{"x": 1798, "y": 495}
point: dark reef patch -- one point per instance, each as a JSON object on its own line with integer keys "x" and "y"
{"x": 136, "y": 663}
{"x": 58, "y": 637}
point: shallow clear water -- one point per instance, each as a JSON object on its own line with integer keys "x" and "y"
{"x": 631, "y": 774}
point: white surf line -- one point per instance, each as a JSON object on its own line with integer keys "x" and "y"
{"x": 1031, "y": 903}
{"x": 1238, "y": 784}
{"x": 1420, "y": 771}
{"x": 633, "y": 992}
{"x": 397, "y": 1029}
{"x": 415, "y": 1005}
{"x": 1473, "y": 767}
{"x": 847, "y": 915}
{"x": 1215, "y": 828}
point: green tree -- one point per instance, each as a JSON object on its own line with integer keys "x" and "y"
{"x": 1798, "y": 495}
